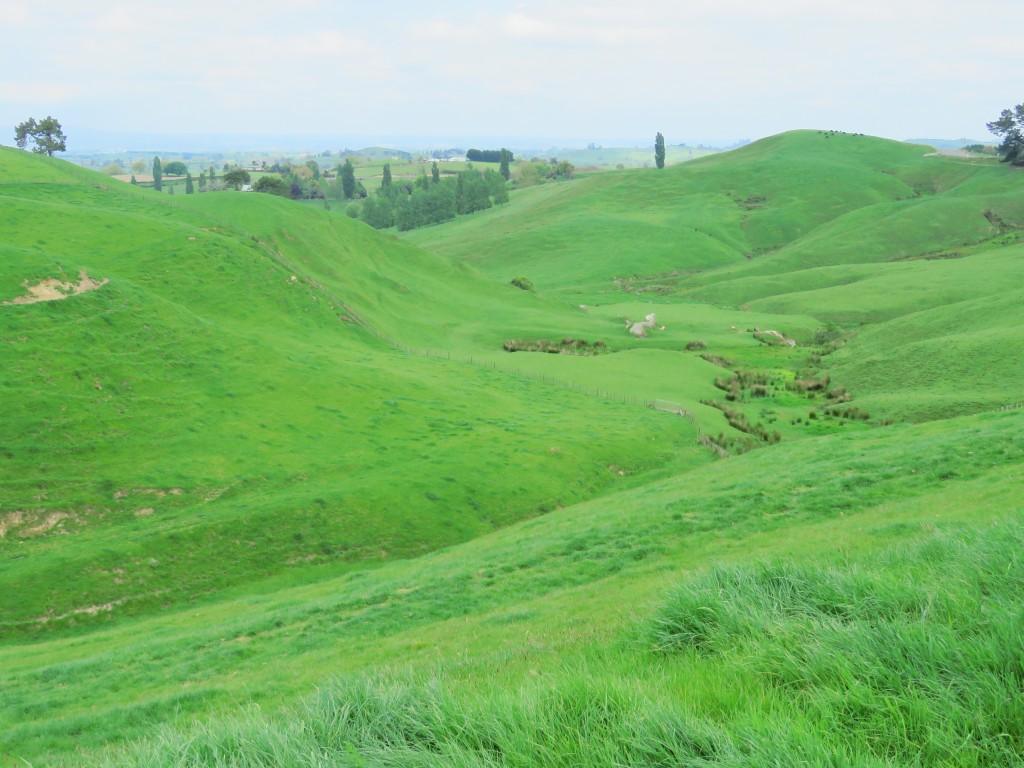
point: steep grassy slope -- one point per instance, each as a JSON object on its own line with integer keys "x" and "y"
{"x": 213, "y": 414}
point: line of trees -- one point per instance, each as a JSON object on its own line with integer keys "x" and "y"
{"x": 489, "y": 155}
{"x": 431, "y": 199}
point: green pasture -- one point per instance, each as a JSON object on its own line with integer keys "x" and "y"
{"x": 209, "y": 404}
{"x": 278, "y": 493}
{"x": 536, "y": 599}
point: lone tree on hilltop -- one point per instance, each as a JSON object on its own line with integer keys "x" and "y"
{"x": 1010, "y": 126}
{"x": 46, "y": 135}
{"x": 659, "y": 150}
{"x": 158, "y": 175}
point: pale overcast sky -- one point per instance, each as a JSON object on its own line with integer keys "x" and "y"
{"x": 580, "y": 70}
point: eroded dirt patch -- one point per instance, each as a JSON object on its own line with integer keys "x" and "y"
{"x": 53, "y": 289}
{"x": 26, "y": 525}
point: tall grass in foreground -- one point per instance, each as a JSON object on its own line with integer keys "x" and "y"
{"x": 913, "y": 657}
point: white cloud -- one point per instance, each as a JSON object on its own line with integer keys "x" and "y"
{"x": 576, "y": 67}
{"x": 528, "y": 28}
{"x": 35, "y": 93}
{"x": 14, "y": 14}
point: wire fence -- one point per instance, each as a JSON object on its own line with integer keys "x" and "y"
{"x": 702, "y": 436}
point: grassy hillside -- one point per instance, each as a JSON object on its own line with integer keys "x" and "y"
{"x": 217, "y": 400}
{"x": 316, "y": 514}
{"x": 535, "y": 606}
{"x": 847, "y": 229}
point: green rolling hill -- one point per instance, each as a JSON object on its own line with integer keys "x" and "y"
{"x": 274, "y": 493}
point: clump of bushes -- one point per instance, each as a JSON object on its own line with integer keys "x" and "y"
{"x": 829, "y": 339}
{"x": 851, "y": 413}
{"x": 695, "y": 346}
{"x": 734, "y": 444}
{"x": 753, "y": 202}
{"x": 756, "y": 383}
{"x": 839, "y": 395}
{"x": 809, "y": 384}
{"x": 522, "y": 282}
{"x": 738, "y": 420}
{"x": 721, "y": 362}
{"x": 566, "y": 346}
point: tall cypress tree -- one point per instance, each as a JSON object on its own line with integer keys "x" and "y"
{"x": 659, "y": 150}
{"x": 189, "y": 189}
{"x": 348, "y": 179}
{"x": 158, "y": 175}
{"x": 385, "y": 180}
{"x": 503, "y": 169}
{"x": 435, "y": 173}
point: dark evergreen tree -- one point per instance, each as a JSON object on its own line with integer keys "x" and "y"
{"x": 506, "y": 156}
{"x": 202, "y": 181}
{"x": 348, "y": 179}
{"x": 134, "y": 182}
{"x": 426, "y": 205}
{"x": 659, "y": 150}
{"x": 189, "y": 189}
{"x": 378, "y": 212}
{"x": 476, "y": 192}
{"x": 1010, "y": 127}
{"x": 435, "y": 173}
{"x": 501, "y": 195}
{"x": 158, "y": 175}
{"x": 385, "y": 179}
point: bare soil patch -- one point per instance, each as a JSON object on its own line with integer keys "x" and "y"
{"x": 53, "y": 289}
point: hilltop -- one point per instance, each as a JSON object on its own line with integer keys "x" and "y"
{"x": 848, "y": 229}
{"x": 291, "y": 465}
